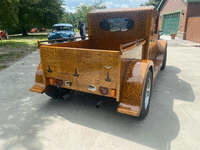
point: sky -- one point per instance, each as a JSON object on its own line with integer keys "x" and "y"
{"x": 71, "y": 4}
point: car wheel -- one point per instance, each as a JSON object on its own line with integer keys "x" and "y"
{"x": 164, "y": 60}
{"x": 58, "y": 93}
{"x": 146, "y": 96}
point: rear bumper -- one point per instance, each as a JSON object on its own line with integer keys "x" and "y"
{"x": 38, "y": 88}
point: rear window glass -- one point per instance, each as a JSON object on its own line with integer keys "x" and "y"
{"x": 116, "y": 24}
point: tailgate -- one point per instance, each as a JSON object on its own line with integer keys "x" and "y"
{"x": 83, "y": 67}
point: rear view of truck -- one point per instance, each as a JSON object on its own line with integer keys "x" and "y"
{"x": 86, "y": 70}
{"x": 120, "y": 59}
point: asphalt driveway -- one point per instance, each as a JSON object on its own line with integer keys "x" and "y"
{"x": 31, "y": 121}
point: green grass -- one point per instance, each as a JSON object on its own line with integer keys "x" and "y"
{"x": 3, "y": 66}
{"x": 18, "y": 46}
{"x": 23, "y": 41}
{"x": 11, "y": 56}
{"x": 77, "y": 31}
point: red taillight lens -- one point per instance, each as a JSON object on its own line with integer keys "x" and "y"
{"x": 59, "y": 82}
{"x": 103, "y": 90}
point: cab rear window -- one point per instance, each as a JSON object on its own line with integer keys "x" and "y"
{"x": 116, "y": 24}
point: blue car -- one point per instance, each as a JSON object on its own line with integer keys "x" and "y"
{"x": 62, "y": 30}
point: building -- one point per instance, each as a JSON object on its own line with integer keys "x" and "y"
{"x": 181, "y": 17}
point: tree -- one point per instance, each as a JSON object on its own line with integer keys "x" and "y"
{"x": 154, "y": 3}
{"x": 98, "y": 5}
{"x": 8, "y": 14}
{"x": 83, "y": 9}
{"x": 68, "y": 18}
{"x": 39, "y": 13}
{"x": 29, "y": 13}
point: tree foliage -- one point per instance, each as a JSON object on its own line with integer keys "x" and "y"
{"x": 81, "y": 12}
{"x": 154, "y": 3}
{"x": 8, "y": 14}
{"x": 26, "y": 14}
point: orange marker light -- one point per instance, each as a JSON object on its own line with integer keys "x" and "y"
{"x": 113, "y": 92}
{"x": 52, "y": 81}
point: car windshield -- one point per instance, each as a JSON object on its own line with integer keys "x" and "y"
{"x": 62, "y": 28}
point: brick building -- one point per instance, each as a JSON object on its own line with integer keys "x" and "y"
{"x": 181, "y": 17}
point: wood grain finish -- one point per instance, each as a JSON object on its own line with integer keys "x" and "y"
{"x": 92, "y": 66}
{"x": 39, "y": 86}
{"x": 109, "y": 59}
{"x": 132, "y": 85}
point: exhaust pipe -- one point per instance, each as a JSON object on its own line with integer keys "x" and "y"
{"x": 98, "y": 104}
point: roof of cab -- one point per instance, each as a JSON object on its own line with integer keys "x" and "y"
{"x": 143, "y": 8}
{"x": 63, "y": 24}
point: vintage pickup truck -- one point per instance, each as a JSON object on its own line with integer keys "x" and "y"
{"x": 120, "y": 59}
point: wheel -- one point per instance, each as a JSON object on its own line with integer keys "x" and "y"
{"x": 146, "y": 96}
{"x": 58, "y": 93}
{"x": 164, "y": 60}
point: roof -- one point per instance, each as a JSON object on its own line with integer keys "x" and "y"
{"x": 122, "y": 9}
{"x": 160, "y": 5}
{"x": 163, "y": 1}
{"x": 63, "y": 24}
{"x": 193, "y": 0}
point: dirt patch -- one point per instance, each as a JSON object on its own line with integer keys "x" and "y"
{"x": 8, "y": 55}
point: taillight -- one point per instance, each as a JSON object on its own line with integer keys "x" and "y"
{"x": 103, "y": 90}
{"x": 52, "y": 81}
{"x": 59, "y": 82}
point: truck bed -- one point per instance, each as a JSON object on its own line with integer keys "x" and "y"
{"x": 82, "y": 66}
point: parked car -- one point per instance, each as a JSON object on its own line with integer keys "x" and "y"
{"x": 60, "y": 31}
{"x": 34, "y": 30}
{"x": 3, "y": 34}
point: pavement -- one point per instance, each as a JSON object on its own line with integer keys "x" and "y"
{"x": 31, "y": 121}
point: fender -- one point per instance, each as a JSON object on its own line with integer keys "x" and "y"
{"x": 132, "y": 86}
{"x": 162, "y": 47}
{"x": 162, "y": 44}
{"x": 39, "y": 86}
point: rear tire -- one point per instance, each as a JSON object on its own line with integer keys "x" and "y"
{"x": 164, "y": 60}
{"x": 56, "y": 92}
{"x": 146, "y": 96}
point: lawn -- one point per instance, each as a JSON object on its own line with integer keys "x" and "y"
{"x": 17, "y": 47}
